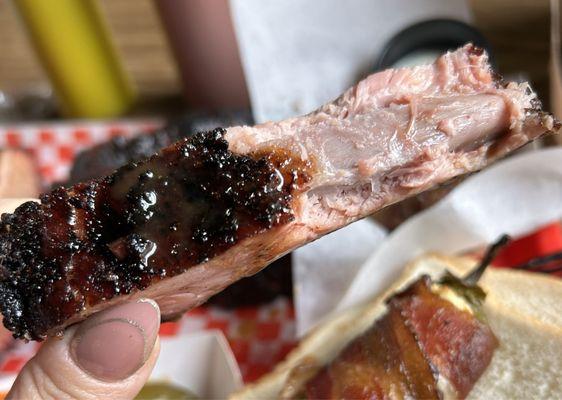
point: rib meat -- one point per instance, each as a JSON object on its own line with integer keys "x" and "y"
{"x": 208, "y": 210}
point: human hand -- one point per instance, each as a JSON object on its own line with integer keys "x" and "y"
{"x": 108, "y": 356}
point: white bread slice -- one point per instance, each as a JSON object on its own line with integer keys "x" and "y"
{"x": 525, "y": 312}
{"x": 528, "y": 362}
{"x": 524, "y": 308}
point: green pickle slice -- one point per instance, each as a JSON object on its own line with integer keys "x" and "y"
{"x": 164, "y": 391}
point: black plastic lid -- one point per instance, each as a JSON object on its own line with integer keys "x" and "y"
{"x": 436, "y": 34}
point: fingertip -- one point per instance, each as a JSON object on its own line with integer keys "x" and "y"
{"x": 112, "y": 352}
{"x": 115, "y": 343}
{"x": 153, "y": 304}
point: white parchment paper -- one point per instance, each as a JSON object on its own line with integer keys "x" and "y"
{"x": 515, "y": 196}
{"x": 299, "y": 54}
{"x": 340, "y": 254}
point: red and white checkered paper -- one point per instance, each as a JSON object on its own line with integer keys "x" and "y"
{"x": 259, "y": 336}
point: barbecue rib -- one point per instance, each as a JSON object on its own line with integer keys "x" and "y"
{"x": 221, "y": 205}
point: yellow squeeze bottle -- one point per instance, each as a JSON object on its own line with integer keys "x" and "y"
{"x": 75, "y": 49}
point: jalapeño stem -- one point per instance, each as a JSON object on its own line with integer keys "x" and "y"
{"x": 473, "y": 277}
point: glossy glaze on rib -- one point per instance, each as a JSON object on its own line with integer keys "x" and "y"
{"x": 146, "y": 222}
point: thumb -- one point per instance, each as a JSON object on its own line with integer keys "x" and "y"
{"x": 108, "y": 356}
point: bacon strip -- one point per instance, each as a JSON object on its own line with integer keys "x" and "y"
{"x": 456, "y": 343}
{"x": 421, "y": 337}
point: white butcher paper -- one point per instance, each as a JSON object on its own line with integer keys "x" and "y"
{"x": 327, "y": 266}
{"x": 300, "y": 54}
{"x": 514, "y": 196}
{"x": 201, "y": 362}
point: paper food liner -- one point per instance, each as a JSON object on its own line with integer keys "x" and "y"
{"x": 515, "y": 196}
{"x": 341, "y": 254}
{"x": 300, "y": 54}
{"x": 200, "y": 362}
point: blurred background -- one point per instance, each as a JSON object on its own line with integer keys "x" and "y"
{"x": 517, "y": 30}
